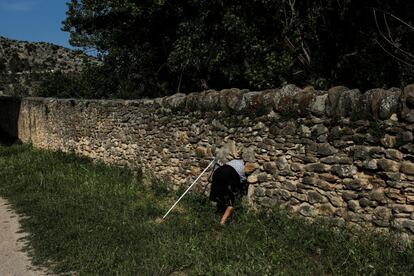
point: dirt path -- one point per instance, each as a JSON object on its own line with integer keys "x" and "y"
{"x": 12, "y": 260}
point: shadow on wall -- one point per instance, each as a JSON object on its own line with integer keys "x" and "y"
{"x": 9, "y": 116}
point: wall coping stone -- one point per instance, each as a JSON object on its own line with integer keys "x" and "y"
{"x": 339, "y": 101}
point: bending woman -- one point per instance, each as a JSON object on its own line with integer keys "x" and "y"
{"x": 229, "y": 182}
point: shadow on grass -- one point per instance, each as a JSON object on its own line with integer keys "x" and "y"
{"x": 95, "y": 219}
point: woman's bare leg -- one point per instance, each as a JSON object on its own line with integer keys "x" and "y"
{"x": 226, "y": 215}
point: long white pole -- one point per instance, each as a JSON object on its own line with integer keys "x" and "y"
{"x": 172, "y": 207}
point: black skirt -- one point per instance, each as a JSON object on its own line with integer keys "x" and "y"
{"x": 225, "y": 185}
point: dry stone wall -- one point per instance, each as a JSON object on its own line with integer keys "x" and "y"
{"x": 340, "y": 153}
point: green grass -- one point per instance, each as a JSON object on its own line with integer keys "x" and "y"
{"x": 95, "y": 219}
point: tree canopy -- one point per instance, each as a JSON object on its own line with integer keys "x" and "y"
{"x": 158, "y": 47}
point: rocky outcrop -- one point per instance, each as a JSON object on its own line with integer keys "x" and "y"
{"x": 22, "y": 63}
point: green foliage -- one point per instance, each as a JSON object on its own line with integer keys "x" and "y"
{"x": 160, "y": 47}
{"x": 17, "y": 89}
{"x": 95, "y": 81}
{"x": 93, "y": 219}
{"x": 59, "y": 85}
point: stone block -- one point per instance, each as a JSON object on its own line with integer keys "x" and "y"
{"x": 381, "y": 103}
{"x": 282, "y": 163}
{"x": 297, "y": 167}
{"x": 304, "y": 131}
{"x": 250, "y": 167}
{"x": 382, "y": 216}
{"x": 282, "y": 194}
{"x": 394, "y": 154}
{"x": 336, "y": 200}
{"x": 310, "y": 180}
{"x": 326, "y": 209}
{"x": 268, "y": 202}
{"x": 330, "y": 160}
{"x": 176, "y": 101}
{"x": 201, "y": 152}
{"x": 360, "y": 152}
{"x": 396, "y": 195}
{"x": 389, "y": 103}
{"x": 404, "y": 137}
{"x": 333, "y": 98}
{"x": 349, "y": 195}
{"x": 217, "y": 125}
{"x": 364, "y": 202}
{"x": 249, "y": 154}
{"x": 315, "y": 197}
{"x": 299, "y": 196}
{"x": 370, "y": 164}
{"x": 290, "y": 128}
{"x": 391, "y": 177}
{"x": 195, "y": 170}
{"x": 318, "y": 130}
{"x": 259, "y": 191}
{"x": 404, "y": 223}
{"x": 344, "y": 170}
{"x": 307, "y": 210}
{"x": 337, "y": 160}
{"x": 388, "y": 165}
{"x": 263, "y": 177}
{"x": 289, "y": 185}
{"x": 410, "y": 199}
{"x": 376, "y": 152}
{"x": 317, "y": 167}
{"x": 252, "y": 179}
{"x": 270, "y": 167}
{"x": 407, "y": 167}
{"x": 232, "y": 99}
{"x": 349, "y": 103}
{"x": 378, "y": 195}
{"x": 353, "y": 184}
{"x": 403, "y": 208}
{"x": 388, "y": 141}
{"x": 324, "y": 185}
{"x": 328, "y": 177}
{"x": 325, "y": 149}
{"x": 353, "y": 205}
{"x": 318, "y": 107}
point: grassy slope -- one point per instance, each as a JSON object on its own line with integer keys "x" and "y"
{"x": 96, "y": 219}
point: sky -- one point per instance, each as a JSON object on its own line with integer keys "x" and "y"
{"x": 34, "y": 20}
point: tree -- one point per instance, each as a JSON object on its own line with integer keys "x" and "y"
{"x": 93, "y": 82}
{"x": 158, "y": 47}
{"x": 133, "y": 37}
